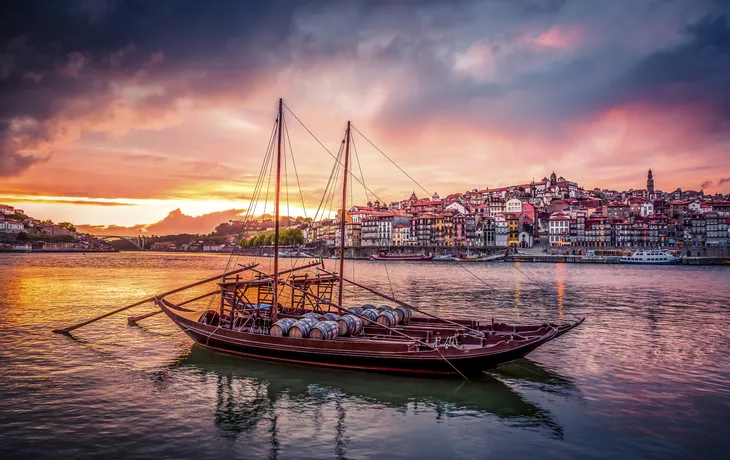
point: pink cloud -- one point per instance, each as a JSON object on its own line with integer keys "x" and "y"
{"x": 561, "y": 37}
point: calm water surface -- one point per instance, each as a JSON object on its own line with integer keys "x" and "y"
{"x": 646, "y": 376}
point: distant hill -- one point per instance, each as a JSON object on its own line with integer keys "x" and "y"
{"x": 178, "y": 223}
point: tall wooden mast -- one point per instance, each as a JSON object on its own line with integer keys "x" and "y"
{"x": 343, "y": 213}
{"x": 275, "y": 302}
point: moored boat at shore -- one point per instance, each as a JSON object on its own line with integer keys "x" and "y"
{"x": 651, "y": 257}
{"x": 295, "y": 319}
{"x": 482, "y": 258}
{"x": 422, "y": 346}
{"x": 445, "y": 258}
{"x": 592, "y": 258}
{"x": 401, "y": 257}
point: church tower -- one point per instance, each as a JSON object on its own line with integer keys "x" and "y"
{"x": 650, "y": 183}
{"x": 553, "y": 179}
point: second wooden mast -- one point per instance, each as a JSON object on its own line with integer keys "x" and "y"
{"x": 275, "y": 298}
{"x": 343, "y": 214}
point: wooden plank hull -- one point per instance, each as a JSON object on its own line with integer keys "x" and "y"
{"x": 396, "y": 357}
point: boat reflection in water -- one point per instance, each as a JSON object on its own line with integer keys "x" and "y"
{"x": 251, "y": 391}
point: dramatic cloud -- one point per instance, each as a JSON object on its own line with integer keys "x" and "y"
{"x": 174, "y": 99}
{"x": 60, "y": 201}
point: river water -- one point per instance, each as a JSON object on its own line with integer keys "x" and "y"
{"x": 646, "y": 376}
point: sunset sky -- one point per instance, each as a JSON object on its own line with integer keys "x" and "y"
{"x": 118, "y": 112}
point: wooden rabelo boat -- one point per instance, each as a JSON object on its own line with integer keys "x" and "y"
{"x": 382, "y": 255}
{"x": 290, "y": 316}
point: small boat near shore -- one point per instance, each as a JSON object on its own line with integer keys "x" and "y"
{"x": 445, "y": 258}
{"x": 651, "y": 257}
{"x": 592, "y": 258}
{"x": 401, "y": 257}
{"x": 481, "y": 258}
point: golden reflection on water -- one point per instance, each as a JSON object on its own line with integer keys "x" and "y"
{"x": 662, "y": 377}
{"x": 516, "y": 293}
{"x": 560, "y": 282}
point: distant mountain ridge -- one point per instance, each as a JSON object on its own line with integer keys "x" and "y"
{"x": 176, "y": 222}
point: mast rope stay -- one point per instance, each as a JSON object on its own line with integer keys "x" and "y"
{"x": 389, "y": 159}
{"x": 543, "y": 289}
{"x": 330, "y": 153}
{"x": 256, "y": 194}
{"x": 492, "y": 288}
{"x": 424, "y": 189}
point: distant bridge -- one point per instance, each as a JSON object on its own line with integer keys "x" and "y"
{"x": 140, "y": 242}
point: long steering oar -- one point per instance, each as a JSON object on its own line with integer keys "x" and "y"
{"x": 67, "y": 330}
{"x": 132, "y": 320}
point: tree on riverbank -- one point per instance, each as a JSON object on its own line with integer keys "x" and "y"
{"x": 287, "y": 237}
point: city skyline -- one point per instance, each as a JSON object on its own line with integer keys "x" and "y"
{"x": 114, "y": 114}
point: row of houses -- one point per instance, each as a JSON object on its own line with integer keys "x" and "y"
{"x": 656, "y": 230}
{"x": 430, "y": 223}
{"x": 517, "y": 215}
{"x": 10, "y": 223}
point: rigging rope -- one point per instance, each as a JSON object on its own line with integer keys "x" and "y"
{"x": 449, "y": 362}
{"x": 330, "y": 153}
{"x": 542, "y": 289}
{"x": 233, "y": 257}
{"x": 392, "y": 294}
{"x": 357, "y": 158}
{"x": 296, "y": 173}
{"x": 394, "y": 163}
{"x": 492, "y": 288}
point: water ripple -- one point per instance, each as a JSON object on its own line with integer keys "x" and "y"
{"x": 645, "y": 376}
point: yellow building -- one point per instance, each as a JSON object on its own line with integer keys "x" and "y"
{"x": 401, "y": 235}
{"x": 513, "y": 230}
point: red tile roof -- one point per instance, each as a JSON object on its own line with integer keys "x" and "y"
{"x": 426, "y": 203}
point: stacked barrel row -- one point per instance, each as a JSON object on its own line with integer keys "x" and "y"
{"x": 315, "y": 326}
{"x": 385, "y": 315}
{"x": 330, "y": 325}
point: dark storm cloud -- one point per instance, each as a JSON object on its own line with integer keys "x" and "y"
{"x": 584, "y": 83}
{"x": 63, "y": 60}
{"x": 695, "y": 72}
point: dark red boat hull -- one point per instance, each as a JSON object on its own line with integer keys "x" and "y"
{"x": 403, "y": 258}
{"x": 431, "y": 363}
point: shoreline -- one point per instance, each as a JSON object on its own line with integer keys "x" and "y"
{"x": 513, "y": 258}
{"x": 55, "y": 251}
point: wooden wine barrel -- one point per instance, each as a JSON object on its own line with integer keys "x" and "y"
{"x": 301, "y": 328}
{"x": 281, "y": 327}
{"x": 324, "y": 330}
{"x": 387, "y": 318}
{"x": 370, "y": 313}
{"x": 403, "y": 314}
{"x": 385, "y": 307}
{"x": 349, "y": 325}
{"x": 368, "y": 306}
{"x": 355, "y": 310}
{"x": 312, "y": 315}
{"x": 330, "y": 317}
